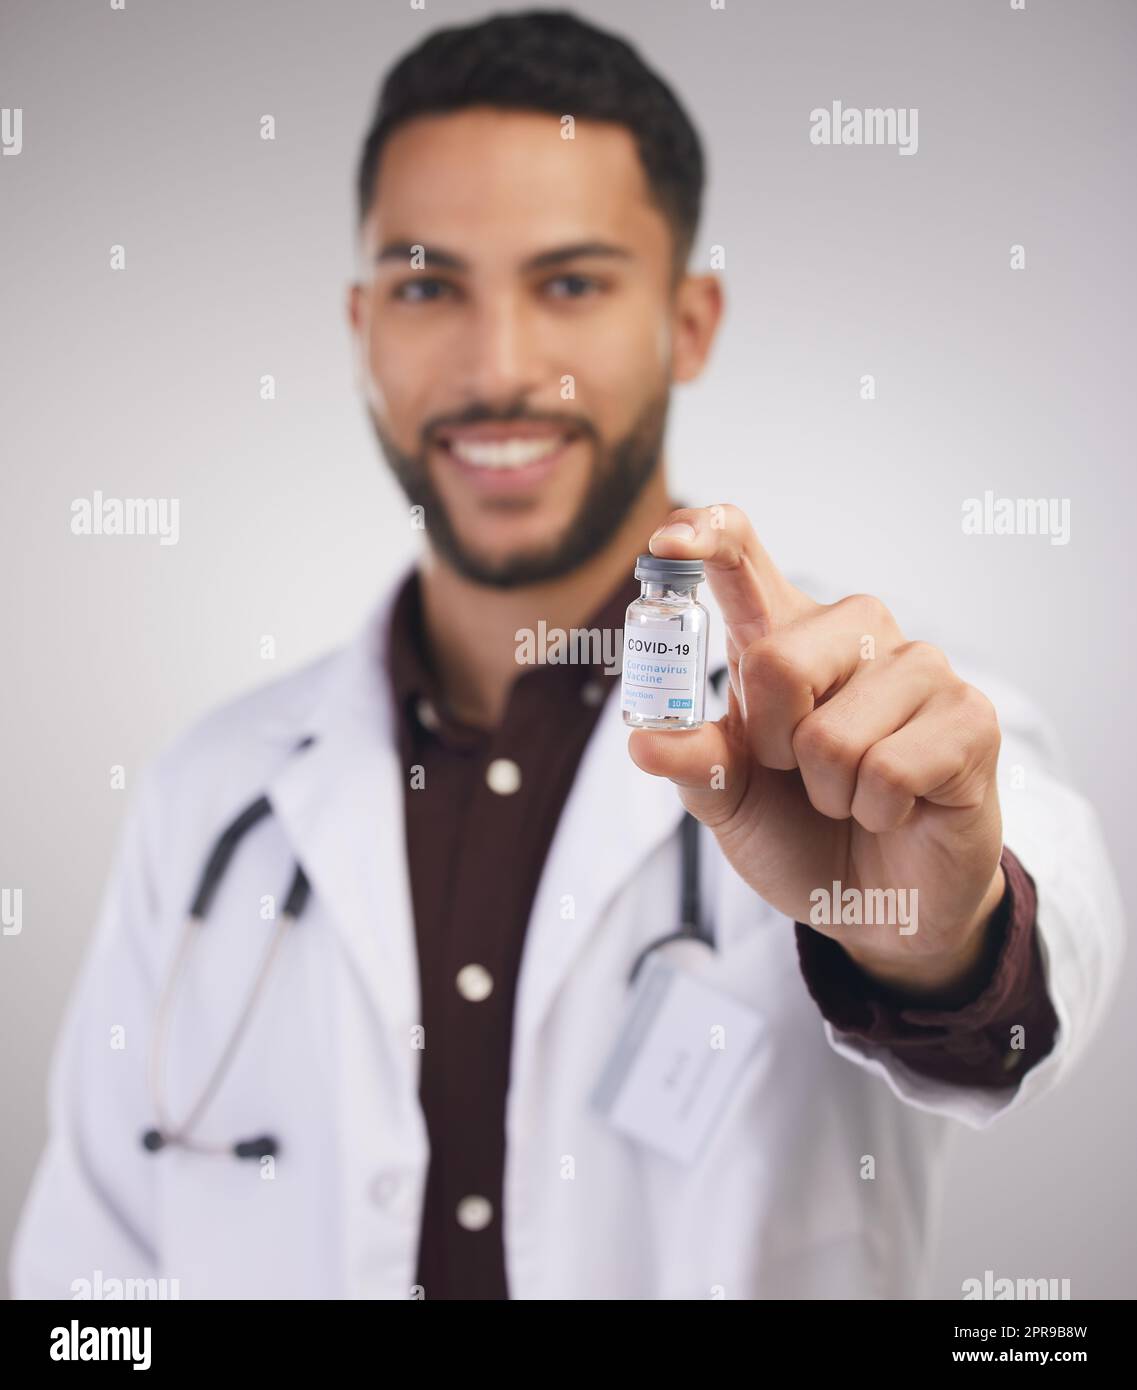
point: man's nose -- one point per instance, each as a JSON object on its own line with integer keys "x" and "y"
{"x": 502, "y": 357}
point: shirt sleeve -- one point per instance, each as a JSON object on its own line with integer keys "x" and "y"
{"x": 991, "y": 1041}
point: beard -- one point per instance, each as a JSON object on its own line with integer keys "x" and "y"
{"x": 619, "y": 474}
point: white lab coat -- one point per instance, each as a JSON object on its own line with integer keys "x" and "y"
{"x": 774, "y": 1206}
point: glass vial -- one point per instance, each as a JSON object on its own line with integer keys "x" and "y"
{"x": 665, "y": 647}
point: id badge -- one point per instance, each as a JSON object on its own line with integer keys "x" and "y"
{"x": 676, "y": 1059}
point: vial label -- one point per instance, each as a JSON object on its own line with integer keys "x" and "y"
{"x": 660, "y": 671}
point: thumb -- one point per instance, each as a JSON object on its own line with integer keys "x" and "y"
{"x": 703, "y": 763}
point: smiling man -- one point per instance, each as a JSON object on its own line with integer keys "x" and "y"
{"x": 464, "y": 1097}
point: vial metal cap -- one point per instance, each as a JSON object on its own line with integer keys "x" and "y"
{"x": 658, "y": 571}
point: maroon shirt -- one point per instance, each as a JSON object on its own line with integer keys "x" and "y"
{"x": 481, "y": 808}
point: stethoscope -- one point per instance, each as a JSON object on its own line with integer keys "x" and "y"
{"x": 167, "y": 1134}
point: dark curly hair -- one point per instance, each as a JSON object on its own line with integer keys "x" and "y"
{"x": 548, "y": 60}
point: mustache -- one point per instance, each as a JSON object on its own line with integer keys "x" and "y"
{"x": 480, "y": 413}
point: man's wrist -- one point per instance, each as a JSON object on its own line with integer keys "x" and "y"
{"x": 941, "y": 979}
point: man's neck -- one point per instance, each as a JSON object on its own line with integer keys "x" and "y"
{"x": 471, "y": 628}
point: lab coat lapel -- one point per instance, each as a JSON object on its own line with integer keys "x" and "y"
{"x": 340, "y": 802}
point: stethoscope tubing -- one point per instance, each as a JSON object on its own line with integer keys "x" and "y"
{"x": 181, "y": 1134}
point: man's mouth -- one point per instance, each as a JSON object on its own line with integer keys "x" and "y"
{"x": 506, "y": 454}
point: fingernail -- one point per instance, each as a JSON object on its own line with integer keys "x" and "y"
{"x": 677, "y": 531}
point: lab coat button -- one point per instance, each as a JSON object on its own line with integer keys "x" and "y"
{"x": 474, "y": 983}
{"x": 503, "y": 776}
{"x": 474, "y": 1213}
{"x": 592, "y": 693}
{"x": 383, "y": 1188}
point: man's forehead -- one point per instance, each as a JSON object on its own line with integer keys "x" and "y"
{"x": 508, "y": 177}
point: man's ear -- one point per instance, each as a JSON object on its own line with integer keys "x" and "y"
{"x": 698, "y": 307}
{"x": 355, "y": 305}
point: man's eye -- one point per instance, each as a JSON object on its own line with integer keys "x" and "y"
{"x": 571, "y": 286}
{"x": 420, "y": 290}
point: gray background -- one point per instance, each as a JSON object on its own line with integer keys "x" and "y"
{"x": 141, "y": 128}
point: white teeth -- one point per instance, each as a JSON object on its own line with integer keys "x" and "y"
{"x": 505, "y": 453}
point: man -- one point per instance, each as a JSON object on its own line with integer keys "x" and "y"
{"x": 487, "y": 865}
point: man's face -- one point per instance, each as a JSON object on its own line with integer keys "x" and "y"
{"x": 518, "y": 380}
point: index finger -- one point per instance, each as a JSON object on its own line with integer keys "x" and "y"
{"x": 754, "y": 595}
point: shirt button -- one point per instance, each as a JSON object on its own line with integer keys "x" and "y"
{"x": 592, "y": 693}
{"x": 503, "y": 776}
{"x": 474, "y": 983}
{"x": 426, "y": 713}
{"x": 474, "y": 1213}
